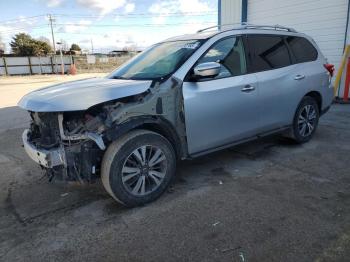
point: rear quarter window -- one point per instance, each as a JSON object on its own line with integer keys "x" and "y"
{"x": 268, "y": 52}
{"x": 302, "y": 49}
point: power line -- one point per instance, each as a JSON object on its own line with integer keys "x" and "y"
{"x": 28, "y": 18}
{"x": 156, "y": 14}
{"x": 130, "y": 15}
{"x": 19, "y": 29}
{"x": 51, "y": 20}
{"x": 133, "y": 25}
{"x": 140, "y": 14}
{"x": 138, "y": 17}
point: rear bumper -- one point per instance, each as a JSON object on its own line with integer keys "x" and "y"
{"x": 327, "y": 95}
{"x": 46, "y": 158}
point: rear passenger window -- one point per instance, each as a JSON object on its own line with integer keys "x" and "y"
{"x": 268, "y": 52}
{"x": 302, "y": 49}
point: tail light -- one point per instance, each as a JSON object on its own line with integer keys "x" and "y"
{"x": 330, "y": 68}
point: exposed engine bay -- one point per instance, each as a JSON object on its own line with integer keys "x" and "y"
{"x": 78, "y": 134}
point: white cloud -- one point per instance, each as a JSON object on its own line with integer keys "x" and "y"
{"x": 130, "y": 7}
{"x": 74, "y": 27}
{"x": 163, "y": 8}
{"x": 116, "y": 40}
{"x": 5, "y": 28}
{"x": 6, "y": 36}
{"x": 25, "y": 21}
{"x": 102, "y": 7}
{"x": 191, "y": 26}
{"x": 158, "y": 20}
{"x": 54, "y": 3}
{"x": 23, "y": 24}
{"x": 183, "y": 6}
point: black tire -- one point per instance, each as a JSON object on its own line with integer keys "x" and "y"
{"x": 297, "y": 128}
{"x": 123, "y": 150}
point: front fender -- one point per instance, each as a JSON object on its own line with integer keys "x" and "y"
{"x": 153, "y": 123}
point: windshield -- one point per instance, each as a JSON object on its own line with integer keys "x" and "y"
{"x": 157, "y": 62}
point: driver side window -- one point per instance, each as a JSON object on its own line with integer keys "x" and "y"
{"x": 228, "y": 52}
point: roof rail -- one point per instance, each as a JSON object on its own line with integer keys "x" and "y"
{"x": 268, "y": 27}
{"x": 216, "y": 26}
{"x": 248, "y": 26}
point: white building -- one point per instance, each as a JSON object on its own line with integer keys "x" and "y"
{"x": 326, "y": 21}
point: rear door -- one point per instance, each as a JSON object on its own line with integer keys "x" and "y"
{"x": 276, "y": 74}
{"x": 310, "y": 67}
{"x": 223, "y": 109}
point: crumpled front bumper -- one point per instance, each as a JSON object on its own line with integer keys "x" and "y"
{"x": 44, "y": 157}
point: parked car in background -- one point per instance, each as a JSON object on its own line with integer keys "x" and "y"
{"x": 182, "y": 98}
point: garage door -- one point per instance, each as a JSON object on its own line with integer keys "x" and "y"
{"x": 324, "y": 20}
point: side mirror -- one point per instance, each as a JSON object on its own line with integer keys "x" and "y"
{"x": 209, "y": 69}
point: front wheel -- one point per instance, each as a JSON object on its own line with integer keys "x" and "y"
{"x": 138, "y": 167}
{"x": 305, "y": 120}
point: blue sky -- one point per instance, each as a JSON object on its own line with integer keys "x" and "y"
{"x": 110, "y": 24}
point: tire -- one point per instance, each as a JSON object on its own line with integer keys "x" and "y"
{"x": 305, "y": 121}
{"x": 138, "y": 167}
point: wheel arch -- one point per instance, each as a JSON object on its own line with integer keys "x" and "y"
{"x": 318, "y": 98}
{"x": 151, "y": 123}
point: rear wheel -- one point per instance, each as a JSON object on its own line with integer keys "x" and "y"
{"x": 305, "y": 120}
{"x": 138, "y": 167}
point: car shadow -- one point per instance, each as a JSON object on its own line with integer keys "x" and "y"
{"x": 30, "y": 198}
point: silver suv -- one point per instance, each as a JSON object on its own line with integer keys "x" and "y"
{"x": 181, "y": 98}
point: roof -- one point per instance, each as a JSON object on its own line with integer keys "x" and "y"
{"x": 214, "y": 30}
{"x": 199, "y": 36}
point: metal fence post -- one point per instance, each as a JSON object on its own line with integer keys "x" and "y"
{"x": 52, "y": 65}
{"x": 41, "y": 69}
{"x": 30, "y": 66}
{"x": 6, "y": 69}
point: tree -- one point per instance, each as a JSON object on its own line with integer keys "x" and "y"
{"x": 75, "y": 47}
{"x": 42, "y": 48}
{"x": 24, "y": 45}
{"x": 44, "y": 39}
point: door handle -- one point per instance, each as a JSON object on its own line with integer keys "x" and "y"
{"x": 299, "y": 77}
{"x": 248, "y": 88}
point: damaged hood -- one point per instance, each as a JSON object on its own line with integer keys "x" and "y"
{"x": 81, "y": 94}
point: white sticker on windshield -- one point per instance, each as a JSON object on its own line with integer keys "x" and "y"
{"x": 191, "y": 45}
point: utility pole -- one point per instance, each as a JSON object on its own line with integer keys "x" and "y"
{"x": 92, "y": 47}
{"x": 53, "y": 41}
{"x": 53, "y": 36}
{"x": 62, "y": 63}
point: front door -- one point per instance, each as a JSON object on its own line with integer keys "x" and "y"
{"x": 221, "y": 110}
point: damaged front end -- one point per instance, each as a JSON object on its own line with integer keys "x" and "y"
{"x": 69, "y": 145}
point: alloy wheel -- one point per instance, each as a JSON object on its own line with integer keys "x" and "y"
{"x": 144, "y": 170}
{"x": 307, "y": 120}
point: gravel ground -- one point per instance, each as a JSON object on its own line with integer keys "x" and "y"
{"x": 268, "y": 200}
